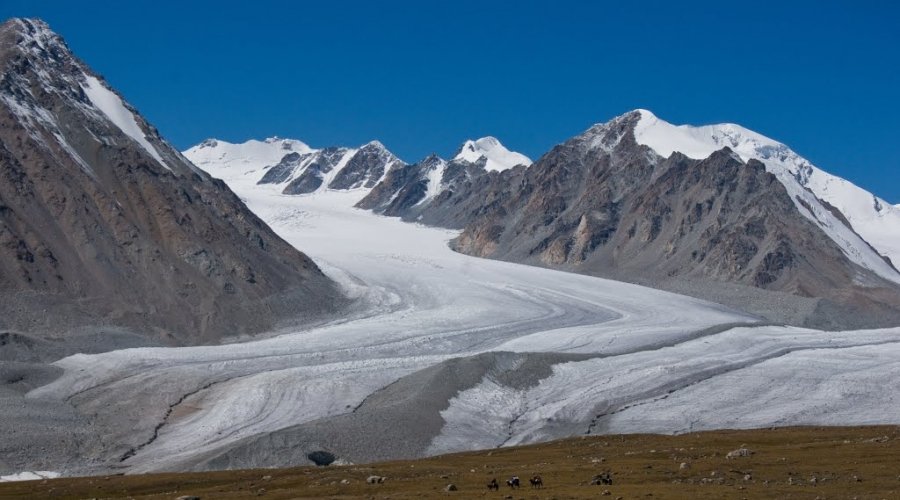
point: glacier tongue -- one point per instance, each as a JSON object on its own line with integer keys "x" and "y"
{"x": 427, "y": 304}
{"x": 875, "y": 223}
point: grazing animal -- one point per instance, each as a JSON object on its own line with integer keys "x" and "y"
{"x": 375, "y": 479}
{"x": 536, "y": 481}
{"x": 513, "y": 482}
{"x": 493, "y": 485}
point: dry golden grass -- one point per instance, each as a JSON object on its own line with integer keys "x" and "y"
{"x": 807, "y": 462}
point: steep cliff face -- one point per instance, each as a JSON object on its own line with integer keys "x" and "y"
{"x": 102, "y": 223}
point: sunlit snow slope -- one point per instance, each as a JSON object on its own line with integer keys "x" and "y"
{"x": 228, "y": 161}
{"x": 496, "y": 156}
{"x": 873, "y": 221}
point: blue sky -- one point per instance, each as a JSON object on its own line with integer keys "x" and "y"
{"x": 823, "y": 77}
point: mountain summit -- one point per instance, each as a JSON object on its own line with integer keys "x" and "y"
{"x": 293, "y": 167}
{"x": 495, "y": 156}
{"x": 104, "y": 225}
{"x": 875, "y": 221}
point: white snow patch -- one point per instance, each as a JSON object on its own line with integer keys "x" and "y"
{"x": 230, "y": 161}
{"x": 112, "y": 106}
{"x": 29, "y": 476}
{"x": 497, "y": 157}
{"x": 434, "y": 176}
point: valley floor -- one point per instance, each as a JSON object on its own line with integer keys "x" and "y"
{"x": 647, "y": 361}
{"x": 809, "y": 463}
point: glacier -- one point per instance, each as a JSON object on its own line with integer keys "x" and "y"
{"x": 657, "y": 361}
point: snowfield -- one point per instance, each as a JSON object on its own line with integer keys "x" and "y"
{"x": 497, "y": 157}
{"x": 657, "y": 361}
{"x": 29, "y": 476}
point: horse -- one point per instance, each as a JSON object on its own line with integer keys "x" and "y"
{"x": 493, "y": 485}
{"x": 513, "y": 482}
{"x": 536, "y": 481}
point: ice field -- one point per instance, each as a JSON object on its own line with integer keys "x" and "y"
{"x": 659, "y": 362}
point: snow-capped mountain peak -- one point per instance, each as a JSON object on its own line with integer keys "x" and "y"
{"x": 700, "y": 142}
{"x": 36, "y": 34}
{"x": 292, "y": 166}
{"x": 496, "y": 156}
{"x": 874, "y": 223}
{"x": 227, "y": 160}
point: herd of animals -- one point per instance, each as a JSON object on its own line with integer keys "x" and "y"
{"x": 537, "y": 482}
{"x": 513, "y": 482}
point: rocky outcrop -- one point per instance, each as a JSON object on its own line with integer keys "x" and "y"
{"x": 313, "y": 175}
{"x": 420, "y": 191}
{"x": 433, "y": 191}
{"x": 365, "y": 168}
{"x": 283, "y": 171}
{"x": 404, "y": 188}
{"x": 103, "y": 224}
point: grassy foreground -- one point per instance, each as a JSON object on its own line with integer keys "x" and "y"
{"x": 806, "y": 462}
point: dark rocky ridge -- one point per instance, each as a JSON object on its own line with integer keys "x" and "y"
{"x": 94, "y": 232}
{"x": 720, "y": 228}
{"x": 306, "y": 173}
{"x": 313, "y": 176}
{"x": 403, "y": 190}
{"x": 364, "y": 168}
